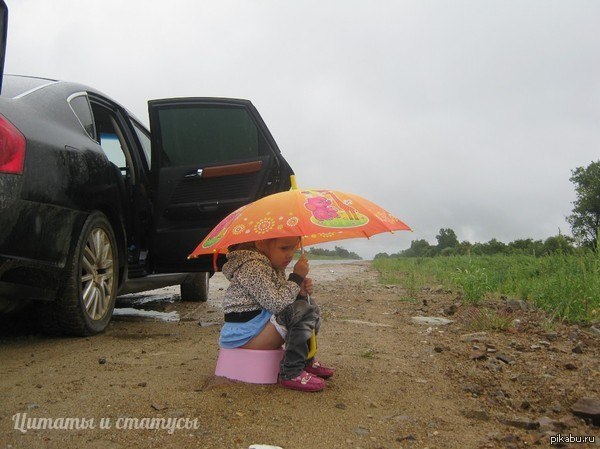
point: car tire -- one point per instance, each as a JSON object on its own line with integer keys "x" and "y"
{"x": 85, "y": 304}
{"x": 195, "y": 287}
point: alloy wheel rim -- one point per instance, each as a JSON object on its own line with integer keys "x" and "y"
{"x": 97, "y": 274}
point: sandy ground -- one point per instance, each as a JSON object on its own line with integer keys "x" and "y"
{"x": 398, "y": 384}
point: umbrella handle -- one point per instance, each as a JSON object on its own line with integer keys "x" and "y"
{"x": 312, "y": 342}
{"x": 312, "y": 346}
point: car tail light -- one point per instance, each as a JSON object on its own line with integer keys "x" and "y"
{"x": 12, "y": 148}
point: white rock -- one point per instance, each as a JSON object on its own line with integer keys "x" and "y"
{"x": 264, "y": 446}
{"x": 431, "y": 320}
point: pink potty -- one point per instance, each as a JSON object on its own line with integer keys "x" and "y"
{"x": 255, "y": 366}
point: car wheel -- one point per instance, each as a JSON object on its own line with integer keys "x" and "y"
{"x": 85, "y": 304}
{"x": 195, "y": 287}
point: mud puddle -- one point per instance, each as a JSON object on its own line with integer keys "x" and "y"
{"x": 147, "y": 307}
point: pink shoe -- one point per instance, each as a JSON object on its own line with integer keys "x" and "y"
{"x": 303, "y": 382}
{"x": 319, "y": 370}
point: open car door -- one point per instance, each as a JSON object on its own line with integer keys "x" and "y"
{"x": 209, "y": 157}
{"x": 3, "y": 34}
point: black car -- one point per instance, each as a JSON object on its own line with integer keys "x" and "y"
{"x": 93, "y": 205}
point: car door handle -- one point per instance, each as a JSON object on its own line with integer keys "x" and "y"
{"x": 232, "y": 169}
{"x": 195, "y": 174}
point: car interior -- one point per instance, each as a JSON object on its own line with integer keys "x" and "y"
{"x": 112, "y": 141}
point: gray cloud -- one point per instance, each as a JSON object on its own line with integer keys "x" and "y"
{"x": 461, "y": 114}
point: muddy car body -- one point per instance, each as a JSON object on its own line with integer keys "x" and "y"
{"x": 93, "y": 205}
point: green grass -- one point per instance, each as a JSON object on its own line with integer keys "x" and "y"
{"x": 566, "y": 286}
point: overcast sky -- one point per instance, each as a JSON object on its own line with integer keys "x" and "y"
{"x": 461, "y": 114}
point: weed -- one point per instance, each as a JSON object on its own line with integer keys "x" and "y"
{"x": 473, "y": 282}
{"x": 484, "y": 319}
{"x": 368, "y": 354}
{"x": 413, "y": 282}
{"x": 549, "y": 325}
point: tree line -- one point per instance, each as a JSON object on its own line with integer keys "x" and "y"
{"x": 584, "y": 221}
{"x": 448, "y": 245}
{"x": 340, "y": 252}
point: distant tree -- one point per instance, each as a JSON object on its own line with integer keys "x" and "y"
{"x": 337, "y": 252}
{"x": 521, "y": 246}
{"x": 446, "y": 239}
{"x": 341, "y": 252}
{"x": 418, "y": 248}
{"x": 526, "y": 246}
{"x": 494, "y": 247}
{"x": 354, "y": 256}
{"x": 319, "y": 251}
{"x": 464, "y": 248}
{"x": 449, "y": 251}
{"x": 558, "y": 244}
{"x": 478, "y": 249}
{"x": 381, "y": 256}
{"x": 585, "y": 219}
{"x": 345, "y": 254}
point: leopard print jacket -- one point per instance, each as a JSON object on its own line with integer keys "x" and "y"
{"x": 255, "y": 284}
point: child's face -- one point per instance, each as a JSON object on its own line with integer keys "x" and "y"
{"x": 279, "y": 251}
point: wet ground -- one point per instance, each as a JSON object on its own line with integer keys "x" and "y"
{"x": 399, "y": 383}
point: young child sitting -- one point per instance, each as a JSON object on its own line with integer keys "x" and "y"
{"x": 264, "y": 310}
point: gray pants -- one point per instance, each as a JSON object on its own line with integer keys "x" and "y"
{"x": 299, "y": 318}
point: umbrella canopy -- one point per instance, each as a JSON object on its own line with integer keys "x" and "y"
{"x": 315, "y": 215}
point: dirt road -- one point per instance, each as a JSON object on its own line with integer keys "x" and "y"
{"x": 398, "y": 384}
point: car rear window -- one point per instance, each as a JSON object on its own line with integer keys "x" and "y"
{"x": 13, "y": 85}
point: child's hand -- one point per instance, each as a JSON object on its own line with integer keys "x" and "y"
{"x": 301, "y": 268}
{"x": 307, "y": 287}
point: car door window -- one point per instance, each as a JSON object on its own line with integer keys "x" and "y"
{"x": 80, "y": 105}
{"x": 112, "y": 148}
{"x": 144, "y": 139}
{"x": 112, "y": 139}
{"x": 204, "y": 135}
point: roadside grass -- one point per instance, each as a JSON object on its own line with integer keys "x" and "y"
{"x": 567, "y": 286}
{"x": 411, "y": 279}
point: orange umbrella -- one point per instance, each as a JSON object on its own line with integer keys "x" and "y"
{"x": 315, "y": 215}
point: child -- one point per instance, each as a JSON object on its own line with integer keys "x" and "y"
{"x": 263, "y": 309}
